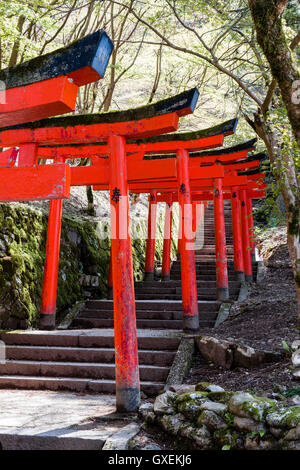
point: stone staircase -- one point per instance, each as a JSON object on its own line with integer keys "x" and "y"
{"x": 81, "y": 361}
{"x": 158, "y": 304}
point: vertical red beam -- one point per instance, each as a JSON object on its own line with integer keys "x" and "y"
{"x": 51, "y": 265}
{"x": 166, "y": 259}
{"x": 251, "y": 227}
{"x": 245, "y": 237}
{"x": 126, "y": 350}
{"x": 150, "y": 246}
{"x": 237, "y": 235}
{"x": 187, "y": 253}
{"x": 220, "y": 242}
{"x": 49, "y": 291}
{"x": 110, "y": 279}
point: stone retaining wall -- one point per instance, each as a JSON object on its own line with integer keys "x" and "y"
{"x": 83, "y": 266}
{"x": 206, "y": 416}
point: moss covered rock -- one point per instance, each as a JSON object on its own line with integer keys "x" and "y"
{"x": 245, "y": 405}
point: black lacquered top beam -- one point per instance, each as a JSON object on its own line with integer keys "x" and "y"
{"x": 226, "y": 128}
{"x": 182, "y": 104}
{"x": 249, "y": 145}
{"x": 252, "y": 158}
{"x": 92, "y": 51}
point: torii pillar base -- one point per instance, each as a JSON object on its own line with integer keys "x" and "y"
{"x": 240, "y": 276}
{"x": 148, "y": 277}
{"x": 47, "y": 322}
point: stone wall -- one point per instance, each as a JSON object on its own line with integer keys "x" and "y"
{"x": 84, "y": 258}
{"x": 206, "y": 416}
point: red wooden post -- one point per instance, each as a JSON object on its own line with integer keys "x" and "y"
{"x": 110, "y": 279}
{"x": 126, "y": 350}
{"x": 150, "y": 247}
{"x": 245, "y": 237}
{"x": 166, "y": 259}
{"x": 237, "y": 235}
{"x": 187, "y": 253}
{"x": 251, "y": 227}
{"x": 220, "y": 242}
{"x": 49, "y": 292}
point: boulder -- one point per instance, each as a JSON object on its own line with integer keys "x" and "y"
{"x": 248, "y": 424}
{"x": 218, "y": 351}
{"x": 181, "y": 389}
{"x": 214, "y": 389}
{"x": 296, "y": 358}
{"x": 256, "y": 442}
{"x": 189, "y": 404}
{"x": 145, "y": 409}
{"x": 173, "y": 423}
{"x": 245, "y": 356}
{"x": 202, "y": 386}
{"x": 211, "y": 420}
{"x": 222, "y": 397}
{"x": 226, "y": 437}
{"x": 284, "y": 417}
{"x": 245, "y": 405}
{"x": 293, "y": 434}
{"x": 164, "y": 403}
{"x": 201, "y": 436}
{"x": 296, "y": 374}
{"x": 209, "y": 405}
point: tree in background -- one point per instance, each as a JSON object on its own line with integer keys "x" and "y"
{"x": 221, "y": 35}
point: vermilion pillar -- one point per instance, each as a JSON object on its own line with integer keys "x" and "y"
{"x": 220, "y": 242}
{"x": 245, "y": 237}
{"x": 49, "y": 291}
{"x": 150, "y": 247}
{"x": 126, "y": 351}
{"x": 187, "y": 253}
{"x": 251, "y": 227}
{"x": 166, "y": 259}
{"x": 237, "y": 235}
{"x": 110, "y": 279}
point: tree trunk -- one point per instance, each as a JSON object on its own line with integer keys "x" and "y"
{"x": 267, "y": 15}
{"x": 285, "y": 173}
{"x": 90, "y": 198}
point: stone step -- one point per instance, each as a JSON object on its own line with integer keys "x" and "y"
{"x": 205, "y": 321}
{"x": 178, "y": 296}
{"x": 161, "y": 290}
{"x": 143, "y": 314}
{"x": 84, "y": 370}
{"x": 164, "y": 305}
{"x": 202, "y": 285}
{"x": 92, "y": 339}
{"x": 159, "y": 324}
{"x": 71, "y": 384}
{"x": 69, "y": 354}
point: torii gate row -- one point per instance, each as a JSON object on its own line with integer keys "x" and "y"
{"x": 113, "y": 128}
{"x": 234, "y": 184}
{"x": 241, "y": 249}
{"x": 139, "y": 171}
{"x": 48, "y": 85}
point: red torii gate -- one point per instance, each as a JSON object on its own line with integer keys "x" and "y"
{"x": 113, "y": 129}
{"x": 241, "y": 245}
{"x": 233, "y": 159}
{"x": 162, "y": 170}
{"x": 48, "y": 85}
